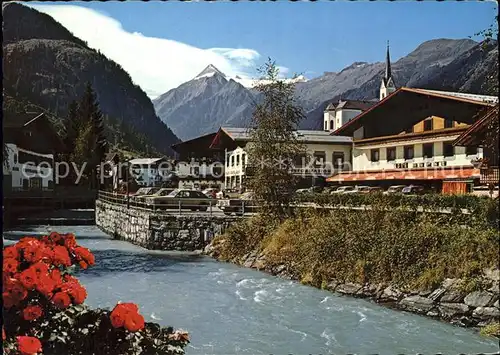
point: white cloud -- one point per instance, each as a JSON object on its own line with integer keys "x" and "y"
{"x": 155, "y": 64}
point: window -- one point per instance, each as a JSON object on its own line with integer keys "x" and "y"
{"x": 391, "y": 153}
{"x": 237, "y": 160}
{"x": 428, "y": 150}
{"x": 409, "y": 152}
{"x": 470, "y": 150}
{"x": 300, "y": 161}
{"x": 338, "y": 159}
{"x": 232, "y": 160}
{"x": 319, "y": 158}
{"x": 428, "y": 125}
{"x": 448, "y": 150}
{"x": 196, "y": 170}
{"x": 331, "y": 124}
{"x": 35, "y": 183}
{"x": 243, "y": 162}
{"x": 326, "y": 125}
{"x": 374, "y": 155}
{"x": 448, "y": 123}
{"x": 227, "y": 163}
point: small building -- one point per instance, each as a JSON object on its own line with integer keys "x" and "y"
{"x": 484, "y": 134}
{"x": 338, "y": 114}
{"x": 323, "y": 155}
{"x": 31, "y": 143}
{"x": 149, "y": 172}
{"x": 197, "y": 165}
{"x": 408, "y": 138}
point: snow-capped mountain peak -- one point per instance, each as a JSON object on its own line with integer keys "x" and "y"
{"x": 251, "y": 83}
{"x": 209, "y": 71}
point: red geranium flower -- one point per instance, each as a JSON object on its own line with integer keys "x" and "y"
{"x": 28, "y": 278}
{"x": 14, "y": 292}
{"x": 10, "y": 265}
{"x": 32, "y": 313}
{"x": 134, "y": 322}
{"x": 61, "y": 300}
{"x": 40, "y": 268}
{"x": 55, "y": 275}
{"x": 85, "y": 254}
{"x": 28, "y": 345}
{"x": 69, "y": 241}
{"x": 11, "y": 253}
{"x": 83, "y": 264}
{"x": 46, "y": 285}
{"x": 126, "y": 314}
{"x": 61, "y": 256}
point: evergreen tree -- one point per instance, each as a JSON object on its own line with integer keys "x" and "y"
{"x": 89, "y": 112}
{"x": 72, "y": 127}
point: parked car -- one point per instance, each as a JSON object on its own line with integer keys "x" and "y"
{"x": 211, "y": 192}
{"x": 413, "y": 190}
{"x": 146, "y": 191}
{"x": 375, "y": 190}
{"x": 183, "y": 198}
{"x": 312, "y": 189}
{"x": 343, "y": 190}
{"x": 359, "y": 190}
{"x": 163, "y": 191}
{"x": 395, "y": 189}
{"x": 239, "y": 206}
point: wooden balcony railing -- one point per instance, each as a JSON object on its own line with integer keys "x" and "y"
{"x": 489, "y": 175}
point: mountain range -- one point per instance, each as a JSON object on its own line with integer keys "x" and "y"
{"x": 46, "y": 66}
{"x": 210, "y": 100}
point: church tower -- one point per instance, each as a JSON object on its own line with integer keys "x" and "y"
{"x": 387, "y": 86}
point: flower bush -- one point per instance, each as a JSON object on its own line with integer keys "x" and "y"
{"x": 44, "y": 310}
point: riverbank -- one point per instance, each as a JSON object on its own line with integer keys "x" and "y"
{"x": 439, "y": 269}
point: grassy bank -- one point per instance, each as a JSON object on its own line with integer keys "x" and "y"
{"x": 413, "y": 250}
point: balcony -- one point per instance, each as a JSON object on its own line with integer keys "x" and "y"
{"x": 489, "y": 175}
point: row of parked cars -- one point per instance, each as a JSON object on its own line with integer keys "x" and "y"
{"x": 404, "y": 189}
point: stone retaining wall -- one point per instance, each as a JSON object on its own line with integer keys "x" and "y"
{"x": 157, "y": 231}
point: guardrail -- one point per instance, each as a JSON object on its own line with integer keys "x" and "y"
{"x": 176, "y": 206}
{"x": 180, "y": 206}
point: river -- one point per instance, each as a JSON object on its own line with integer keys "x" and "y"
{"x": 232, "y": 310}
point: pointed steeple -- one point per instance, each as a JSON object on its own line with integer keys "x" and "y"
{"x": 387, "y": 86}
{"x": 388, "y": 74}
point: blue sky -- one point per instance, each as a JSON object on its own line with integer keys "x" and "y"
{"x": 304, "y": 37}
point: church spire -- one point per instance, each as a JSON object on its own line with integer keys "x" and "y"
{"x": 387, "y": 65}
{"x": 387, "y": 86}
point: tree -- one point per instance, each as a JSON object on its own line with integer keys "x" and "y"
{"x": 490, "y": 39}
{"x": 89, "y": 111}
{"x": 273, "y": 143}
{"x": 72, "y": 127}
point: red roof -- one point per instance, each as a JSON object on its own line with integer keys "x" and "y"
{"x": 424, "y": 174}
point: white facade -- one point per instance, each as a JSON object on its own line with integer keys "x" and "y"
{"x": 151, "y": 171}
{"x": 457, "y": 156}
{"x": 335, "y": 116}
{"x": 28, "y": 170}
{"x": 195, "y": 174}
{"x": 386, "y": 90}
{"x": 323, "y": 158}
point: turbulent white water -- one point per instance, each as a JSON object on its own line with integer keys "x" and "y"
{"x": 232, "y": 310}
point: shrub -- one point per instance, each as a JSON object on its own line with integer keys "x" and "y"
{"x": 44, "y": 311}
{"x": 412, "y": 249}
{"x": 482, "y": 209}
